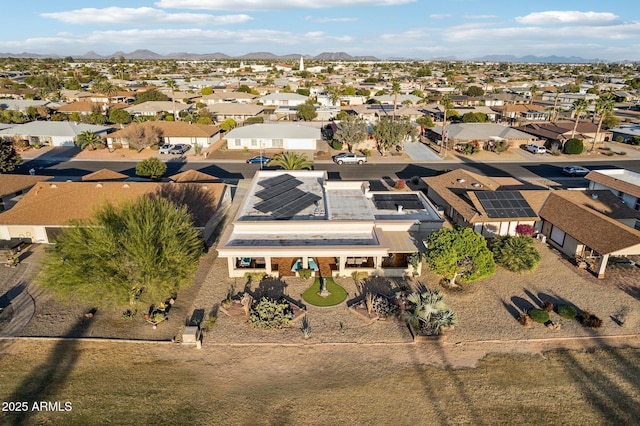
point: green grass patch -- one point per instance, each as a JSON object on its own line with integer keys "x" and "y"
{"x": 338, "y": 294}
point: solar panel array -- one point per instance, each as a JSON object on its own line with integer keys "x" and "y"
{"x": 282, "y": 198}
{"x": 504, "y": 204}
{"x": 392, "y": 201}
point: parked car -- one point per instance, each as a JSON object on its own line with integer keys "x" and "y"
{"x": 258, "y": 159}
{"x": 179, "y": 149}
{"x": 164, "y": 149}
{"x": 349, "y": 158}
{"x": 575, "y": 171}
{"x": 536, "y": 149}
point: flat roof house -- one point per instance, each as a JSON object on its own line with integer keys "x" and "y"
{"x": 625, "y": 184}
{"x": 287, "y": 136}
{"x": 293, "y": 220}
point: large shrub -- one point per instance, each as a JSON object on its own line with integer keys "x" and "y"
{"x": 517, "y": 254}
{"x": 151, "y": 168}
{"x": 269, "y": 314}
{"x": 573, "y": 146}
{"x": 539, "y": 315}
{"x": 567, "y": 311}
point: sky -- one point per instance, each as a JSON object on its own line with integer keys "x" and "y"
{"x": 412, "y": 29}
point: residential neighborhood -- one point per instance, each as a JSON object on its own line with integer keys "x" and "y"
{"x": 219, "y": 207}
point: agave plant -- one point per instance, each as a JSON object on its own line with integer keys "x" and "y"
{"x": 428, "y": 312}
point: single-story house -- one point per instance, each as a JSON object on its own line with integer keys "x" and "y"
{"x": 49, "y": 207}
{"x": 591, "y": 226}
{"x": 221, "y": 97}
{"x": 491, "y": 206}
{"x": 485, "y": 134}
{"x": 626, "y": 131}
{"x": 624, "y": 184}
{"x": 156, "y": 108}
{"x": 560, "y": 132}
{"x": 238, "y": 112}
{"x": 292, "y": 220}
{"x": 52, "y": 133}
{"x": 287, "y": 136}
{"x": 279, "y": 98}
{"x": 172, "y": 132}
{"x": 12, "y": 187}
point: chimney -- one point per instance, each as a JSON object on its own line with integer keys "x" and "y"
{"x": 399, "y": 208}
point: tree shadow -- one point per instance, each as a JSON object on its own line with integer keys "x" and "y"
{"x": 512, "y": 309}
{"x": 200, "y": 202}
{"x": 196, "y": 317}
{"x": 375, "y": 285}
{"x": 11, "y": 294}
{"x": 523, "y": 304}
{"x": 47, "y": 380}
{"x": 270, "y": 287}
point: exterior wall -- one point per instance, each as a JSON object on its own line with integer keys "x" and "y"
{"x": 36, "y": 233}
{"x": 570, "y": 246}
{"x": 269, "y": 143}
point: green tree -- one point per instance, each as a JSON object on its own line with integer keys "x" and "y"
{"x": 228, "y": 124}
{"x": 459, "y": 252}
{"x": 474, "y": 91}
{"x": 425, "y": 121}
{"x": 517, "y": 254}
{"x": 334, "y": 94}
{"x": 137, "y": 254}
{"x": 290, "y": 160}
{"x": 171, "y": 84}
{"x": 447, "y": 104}
{"x": 9, "y": 158}
{"x": 151, "y": 168}
{"x": 72, "y": 84}
{"x": 391, "y": 133}
{"x": 306, "y": 111}
{"x": 574, "y": 146}
{"x": 88, "y": 139}
{"x": 119, "y": 116}
{"x": 351, "y": 131}
{"x": 474, "y": 117}
{"x": 395, "y": 90}
{"x": 150, "y": 95}
{"x": 303, "y": 91}
{"x": 205, "y": 91}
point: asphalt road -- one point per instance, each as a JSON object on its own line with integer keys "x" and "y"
{"x": 65, "y": 168}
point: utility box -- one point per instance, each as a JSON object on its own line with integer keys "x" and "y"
{"x": 191, "y": 335}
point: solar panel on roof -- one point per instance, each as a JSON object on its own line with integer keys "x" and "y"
{"x": 274, "y": 203}
{"x": 298, "y": 205}
{"x": 267, "y": 183}
{"x": 504, "y": 204}
{"x": 278, "y": 189}
{"x": 392, "y": 201}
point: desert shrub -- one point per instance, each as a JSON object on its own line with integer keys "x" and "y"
{"x": 469, "y": 148}
{"x": 305, "y": 274}
{"x": 619, "y": 139}
{"x": 517, "y": 254}
{"x": 270, "y": 314}
{"x": 254, "y": 276}
{"x": 573, "y": 146}
{"x": 116, "y": 145}
{"x": 567, "y": 311}
{"x": 524, "y": 319}
{"x": 254, "y": 120}
{"x": 336, "y": 144}
{"x": 305, "y": 327}
{"x": 547, "y": 306}
{"x": 21, "y": 143}
{"x": 539, "y": 315}
{"x": 525, "y": 229}
{"x": 590, "y": 320}
{"x": 400, "y": 184}
{"x": 366, "y": 152}
{"x": 501, "y": 146}
{"x": 415, "y": 180}
{"x": 382, "y": 307}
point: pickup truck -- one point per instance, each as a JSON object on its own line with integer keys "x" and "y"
{"x": 349, "y": 158}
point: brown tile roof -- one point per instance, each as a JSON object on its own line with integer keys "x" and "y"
{"x": 614, "y": 183}
{"x": 55, "y": 204}
{"x": 104, "y": 175}
{"x": 80, "y": 107}
{"x": 587, "y": 224}
{"x": 174, "y": 129}
{"x": 193, "y": 176}
{"x": 10, "y": 184}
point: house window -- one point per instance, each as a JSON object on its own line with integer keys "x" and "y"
{"x": 278, "y": 143}
{"x": 254, "y": 142}
{"x": 637, "y": 206}
{"x": 557, "y": 235}
{"x": 238, "y": 142}
{"x": 620, "y": 194}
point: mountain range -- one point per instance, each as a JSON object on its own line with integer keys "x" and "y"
{"x": 143, "y": 54}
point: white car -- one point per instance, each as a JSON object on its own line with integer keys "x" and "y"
{"x": 536, "y": 149}
{"x": 164, "y": 149}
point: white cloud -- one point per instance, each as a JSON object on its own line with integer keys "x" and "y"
{"x": 567, "y": 18}
{"x": 273, "y": 5}
{"x": 140, "y": 16}
{"x": 479, "y": 16}
{"x": 324, "y": 20}
{"x": 440, "y": 16}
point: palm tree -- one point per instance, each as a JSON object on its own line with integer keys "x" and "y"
{"x": 171, "y": 84}
{"x": 604, "y": 107}
{"x": 447, "y": 104}
{"x": 395, "y": 89}
{"x": 88, "y": 139}
{"x": 579, "y": 106}
{"x": 291, "y": 161}
{"x": 429, "y": 312}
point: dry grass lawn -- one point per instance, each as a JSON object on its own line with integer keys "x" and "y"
{"x": 128, "y": 383}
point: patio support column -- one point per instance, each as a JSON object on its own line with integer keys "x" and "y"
{"x": 231, "y": 260}
{"x": 340, "y": 262}
{"x": 602, "y": 265}
{"x": 267, "y": 265}
{"x": 377, "y": 263}
{"x": 305, "y": 262}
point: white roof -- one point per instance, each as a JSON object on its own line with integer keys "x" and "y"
{"x": 52, "y": 128}
{"x": 274, "y": 131}
{"x": 471, "y": 131}
{"x": 283, "y": 96}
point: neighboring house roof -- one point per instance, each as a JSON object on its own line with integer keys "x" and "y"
{"x": 239, "y": 109}
{"x": 104, "y": 175}
{"x": 622, "y": 180}
{"x": 81, "y": 107}
{"x": 193, "y": 176}
{"x": 398, "y": 99}
{"x": 274, "y": 131}
{"x": 576, "y": 216}
{"x": 283, "y": 96}
{"x": 55, "y": 204}
{"x": 173, "y": 129}
{"x": 10, "y": 184}
{"x": 560, "y": 130}
{"x": 157, "y": 107}
{"x": 481, "y": 131}
{"x": 20, "y": 104}
{"x": 53, "y": 128}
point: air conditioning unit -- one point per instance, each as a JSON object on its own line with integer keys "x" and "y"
{"x": 542, "y": 238}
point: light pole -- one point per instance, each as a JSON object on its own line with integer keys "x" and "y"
{"x": 261, "y": 157}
